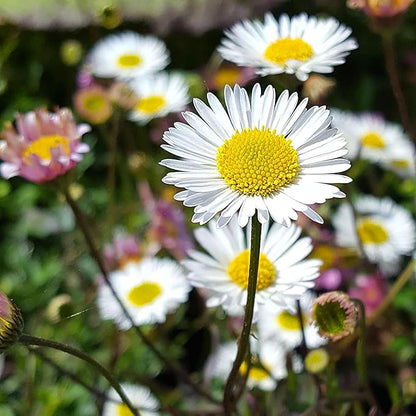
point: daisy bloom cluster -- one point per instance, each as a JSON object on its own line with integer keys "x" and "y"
{"x": 266, "y": 367}
{"x": 149, "y": 290}
{"x": 43, "y": 146}
{"x": 385, "y": 230}
{"x": 298, "y": 45}
{"x": 282, "y": 325}
{"x": 263, "y": 154}
{"x": 283, "y": 273}
{"x": 371, "y": 137}
{"x": 141, "y": 397}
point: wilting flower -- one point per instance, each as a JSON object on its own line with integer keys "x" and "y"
{"x": 266, "y": 367}
{"x": 93, "y": 104}
{"x": 283, "y": 325}
{"x": 335, "y": 315}
{"x": 45, "y": 145}
{"x": 299, "y": 46}
{"x": 140, "y": 397}
{"x": 385, "y": 229}
{"x": 369, "y": 136}
{"x": 158, "y": 95}
{"x": 149, "y": 290}
{"x": 317, "y": 87}
{"x": 380, "y": 8}
{"x": 127, "y": 55}
{"x": 11, "y": 322}
{"x": 371, "y": 290}
{"x": 273, "y": 157}
{"x": 316, "y": 360}
{"x": 283, "y": 274}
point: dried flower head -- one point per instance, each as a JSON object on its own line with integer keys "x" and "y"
{"x": 335, "y": 315}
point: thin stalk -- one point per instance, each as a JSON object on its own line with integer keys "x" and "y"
{"x": 360, "y": 357}
{"x": 83, "y": 225}
{"x": 40, "y": 342}
{"x": 392, "y": 72}
{"x": 229, "y": 400}
{"x": 394, "y": 290}
{"x": 304, "y": 346}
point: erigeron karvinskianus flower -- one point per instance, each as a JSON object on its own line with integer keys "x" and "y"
{"x": 268, "y": 364}
{"x": 371, "y": 137}
{"x": 44, "y": 146}
{"x": 335, "y": 315}
{"x": 381, "y": 8}
{"x": 149, "y": 290}
{"x": 385, "y": 229}
{"x": 158, "y": 95}
{"x": 127, "y": 55}
{"x": 140, "y": 396}
{"x": 11, "y": 322}
{"x": 258, "y": 154}
{"x": 93, "y": 104}
{"x": 298, "y": 45}
{"x": 282, "y": 325}
{"x": 283, "y": 274}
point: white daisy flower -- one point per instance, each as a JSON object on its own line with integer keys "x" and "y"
{"x": 127, "y": 55}
{"x": 386, "y": 230}
{"x": 149, "y": 291}
{"x": 159, "y": 95}
{"x": 298, "y": 45}
{"x": 369, "y": 136}
{"x": 282, "y": 325}
{"x": 140, "y": 396}
{"x": 258, "y": 154}
{"x": 401, "y": 159}
{"x": 283, "y": 274}
{"x": 262, "y": 375}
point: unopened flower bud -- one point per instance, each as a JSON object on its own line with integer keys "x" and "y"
{"x": 316, "y": 360}
{"x": 11, "y": 322}
{"x": 335, "y": 315}
{"x": 71, "y": 52}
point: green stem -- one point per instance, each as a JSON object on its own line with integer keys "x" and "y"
{"x": 40, "y": 342}
{"x": 360, "y": 357}
{"x": 304, "y": 346}
{"x": 83, "y": 225}
{"x": 230, "y": 398}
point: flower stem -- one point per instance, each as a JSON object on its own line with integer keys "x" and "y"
{"x": 230, "y": 398}
{"x": 83, "y": 225}
{"x": 391, "y": 68}
{"x": 360, "y": 357}
{"x": 40, "y": 342}
{"x": 304, "y": 346}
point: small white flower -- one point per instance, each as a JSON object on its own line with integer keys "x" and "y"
{"x": 386, "y": 230}
{"x": 401, "y": 159}
{"x": 140, "y": 396}
{"x": 127, "y": 55}
{"x": 298, "y": 45}
{"x": 282, "y": 325}
{"x": 259, "y": 154}
{"x": 283, "y": 273}
{"x": 369, "y": 136}
{"x": 149, "y": 291}
{"x": 159, "y": 95}
{"x": 262, "y": 375}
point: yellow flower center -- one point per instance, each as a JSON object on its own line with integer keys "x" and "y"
{"x": 400, "y": 164}
{"x": 123, "y": 410}
{"x": 144, "y": 293}
{"x": 255, "y": 373}
{"x": 316, "y": 360}
{"x": 129, "y": 60}
{"x": 282, "y": 50}
{"x": 372, "y": 140}
{"x": 326, "y": 254}
{"x": 290, "y": 322}
{"x": 150, "y": 105}
{"x": 238, "y": 271}
{"x": 257, "y": 162}
{"x": 226, "y": 76}
{"x": 42, "y": 147}
{"x": 94, "y": 102}
{"x": 371, "y": 232}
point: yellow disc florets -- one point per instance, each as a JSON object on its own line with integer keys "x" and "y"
{"x": 42, "y": 147}
{"x": 238, "y": 271}
{"x": 286, "y": 49}
{"x": 144, "y": 293}
{"x": 371, "y": 232}
{"x": 257, "y": 162}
